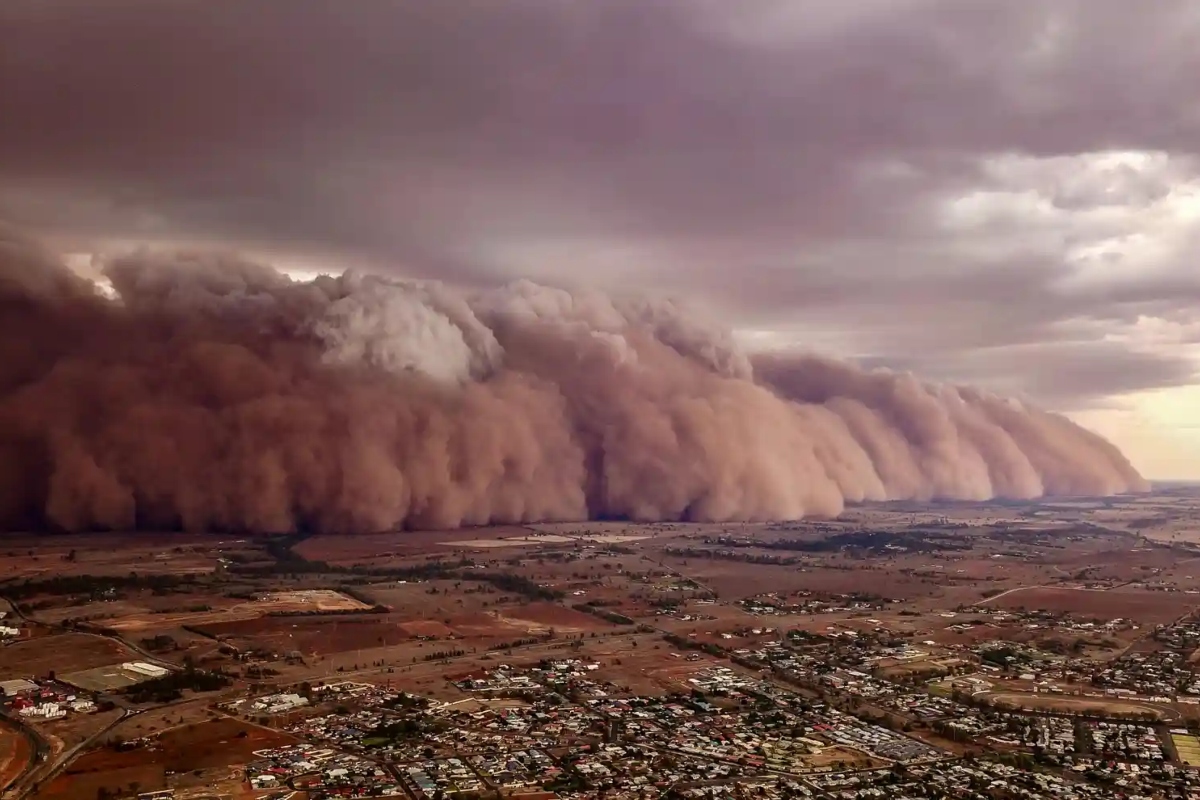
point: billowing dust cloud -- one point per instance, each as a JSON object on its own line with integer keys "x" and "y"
{"x": 206, "y": 392}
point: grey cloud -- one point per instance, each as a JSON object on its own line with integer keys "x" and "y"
{"x": 786, "y": 162}
{"x": 685, "y": 123}
{"x": 1069, "y": 375}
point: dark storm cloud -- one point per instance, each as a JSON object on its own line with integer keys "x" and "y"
{"x": 1067, "y": 374}
{"x": 791, "y": 163}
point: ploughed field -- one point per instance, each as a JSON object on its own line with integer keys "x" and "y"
{"x": 217, "y": 743}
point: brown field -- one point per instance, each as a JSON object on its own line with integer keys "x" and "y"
{"x": 638, "y": 663}
{"x": 490, "y": 626}
{"x": 310, "y": 600}
{"x": 194, "y": 747}
{"x": 200, "y": 649}
{"x": 133, "y": 624}
{"x": 449, "y": 614}
{"x": 73, "y": 729}
{"x": 594, "y": 575}
{"x": 387, "y": 548}
{"x": 1146, "y": 607}
{"x": 924, "y": 666}
{"x": 541, "y": 617}
{"x": 414, "y": 600}
{"x": 425, "y": 627}
{"x": 310, "y": 635}
{"x": 158, "y": 720}
{"x": 15, "y": 754}
{"x": 90, "y": 773}
{"x": 527, "y": 540}
{"x": 635, "y": 665}
{"x": 107, "y": 611}
{"x": 61, "y": 653}
{"x": 109, "y": 554}
{"x": 852, "y": 759}
{"x": 1061, "y": 703}
{"x": 379, "y": 548}
{"x": 102, "y": 679}
{"x": 733, "y": 580}
{"x": 302, "y": 600}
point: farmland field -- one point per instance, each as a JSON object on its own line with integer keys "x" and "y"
{"x": 15, "y": 754}
{"x": 207, "y": 744}
{"x": 301, "y": 601}
{"x": 1151, "y": 608}
{"x": 880, "y": 594}
{"x": 62, "y": 653}
{"x": 104, "y": 679}
{"x": 1188, "y": 747}
{"x": 309, "y": 635}
{"x": 1062, "y": 704}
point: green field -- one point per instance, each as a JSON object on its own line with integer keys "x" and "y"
{"x": 1188, "y": 748}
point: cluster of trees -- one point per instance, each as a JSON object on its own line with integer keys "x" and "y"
{"x": 516, "y": 643}
{"x": 602, "y": 603}
{"x": 259, "y": 671}
{"x": 1003, "y": 657}
{"x": 683, "y": 643}
{"x": 299, "y": 565}
{"x": 404, "y": 700}
{"x": 363, "y": 598}
{"x": 603, "y": 613}
{"x": 871, "y": 541}
{"x": 517, "y": 584}
{"x": 393, "y": 731}
{"x": 160, "y": 643}
{"x": 171, "y": 687}
{"x": 289, "y": 562}
{"x": 726, "y": 555}
{"x": 91, "y": 585}
{"x": 403, "y": 727}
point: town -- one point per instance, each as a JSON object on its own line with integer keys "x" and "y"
{"x": 613, "y": 661}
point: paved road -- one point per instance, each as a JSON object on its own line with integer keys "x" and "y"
{"x": 1007, "y": 592}
{"x": 44, "y": 771}
{"x": 145, "y": 654}
{"x": 38, "y": 754}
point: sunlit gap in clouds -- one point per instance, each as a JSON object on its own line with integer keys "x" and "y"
{"x": 89, "y": 265}
{"x": 85, "y": 265}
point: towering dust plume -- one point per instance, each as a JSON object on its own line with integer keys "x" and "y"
{"x": 206, "y": 392}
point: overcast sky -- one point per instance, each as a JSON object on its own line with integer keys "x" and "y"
{"x": 1002, "y": 192}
